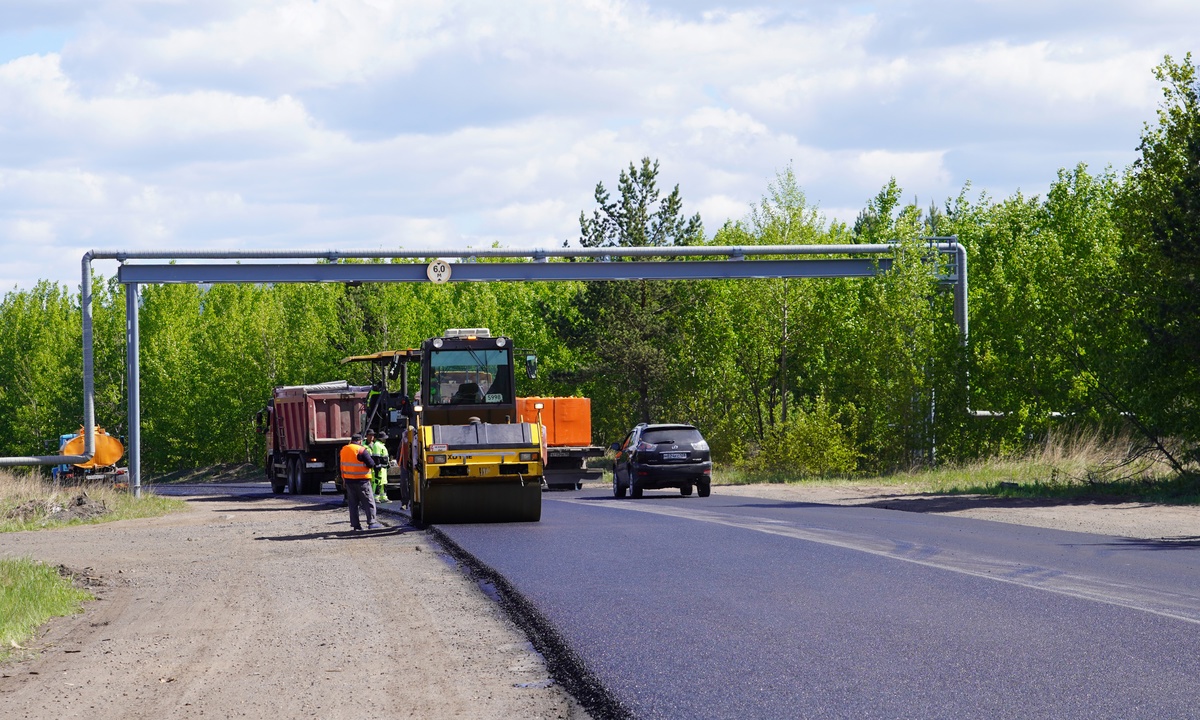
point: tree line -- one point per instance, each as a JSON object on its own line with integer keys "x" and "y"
{"x": 1085, "y": 308}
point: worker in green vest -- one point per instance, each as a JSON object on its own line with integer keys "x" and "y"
{"x": 379, "y": 452}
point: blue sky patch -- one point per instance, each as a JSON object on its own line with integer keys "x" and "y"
{"x": 39, "y": 41}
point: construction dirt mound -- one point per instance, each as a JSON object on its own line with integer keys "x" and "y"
{"x": 79, "y": 507}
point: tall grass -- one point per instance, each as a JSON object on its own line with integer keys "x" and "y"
{"x": 30, "y": 501}
{"x": 1073, "y": 464}
{"x": 30, "y": 594}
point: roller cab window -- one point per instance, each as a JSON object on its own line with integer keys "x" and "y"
{"x": 470, "y": 377}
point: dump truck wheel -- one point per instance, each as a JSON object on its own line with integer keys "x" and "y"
{"x": 293, "y": 476}
{"x": 686, "y": 490}
{"x": 310, "y": 483}
{"x": 277, "y": 485}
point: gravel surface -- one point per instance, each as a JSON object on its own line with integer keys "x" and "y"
{"x": 270, "y": 608}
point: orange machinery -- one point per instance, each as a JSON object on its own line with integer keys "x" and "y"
{"x": 102, "y": 466}
{"x": 568, "y": 423}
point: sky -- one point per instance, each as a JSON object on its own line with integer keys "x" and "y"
{"x": 455, "y": 124}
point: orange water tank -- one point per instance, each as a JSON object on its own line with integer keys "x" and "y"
{"x": 108, "y": 449}
{"x": 568, "y": 420}
{"x": 526, "y": 412}
{"x": 573, "y": 421}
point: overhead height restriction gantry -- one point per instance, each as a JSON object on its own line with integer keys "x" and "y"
{"x": 561, "y": 264}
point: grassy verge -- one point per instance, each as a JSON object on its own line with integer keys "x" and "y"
{"x": 31, "y": 594}
{"x": 1084, "y": 467}
{"x": 32, "y": 502}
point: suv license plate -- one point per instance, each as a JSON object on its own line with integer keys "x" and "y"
{"x": 675, "y": 456}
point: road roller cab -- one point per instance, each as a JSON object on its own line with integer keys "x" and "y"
{"x": 474, "y": 460}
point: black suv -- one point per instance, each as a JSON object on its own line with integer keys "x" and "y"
{"x": 662, "y": 456}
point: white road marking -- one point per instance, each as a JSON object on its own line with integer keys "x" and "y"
{"x": 1178, "y": 606}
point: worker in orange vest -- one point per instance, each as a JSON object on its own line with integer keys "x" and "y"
{"x": 356, "y": 465}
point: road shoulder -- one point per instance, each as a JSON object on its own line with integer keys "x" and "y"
{"x": 271, "y": 607}
{"x": 1133, "y": 520}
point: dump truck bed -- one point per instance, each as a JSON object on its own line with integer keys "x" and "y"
{"x": 328, "y": 413}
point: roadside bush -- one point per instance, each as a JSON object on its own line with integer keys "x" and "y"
{"x": 814, "y": 442}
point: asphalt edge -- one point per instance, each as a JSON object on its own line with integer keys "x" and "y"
{"x": 565, "y": 666}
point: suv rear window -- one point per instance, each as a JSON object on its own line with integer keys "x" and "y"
{"x": 672, "y": 435}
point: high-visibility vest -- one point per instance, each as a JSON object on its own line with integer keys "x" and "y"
{"x": 352, "y": 467}
{"x": 379, "y": 451}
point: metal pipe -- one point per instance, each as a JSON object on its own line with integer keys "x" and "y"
{"x": 89, "y": 419}
{"x": 133, "y": 375}
{"x": 937, "y": 243}
{"x": 961, "y": 316}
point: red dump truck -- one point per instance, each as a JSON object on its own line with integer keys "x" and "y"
{"x": 568, "y": 422}
{"x": 306, "y": 427}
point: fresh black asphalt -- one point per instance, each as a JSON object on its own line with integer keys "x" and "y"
{"x": 731, "y": 607}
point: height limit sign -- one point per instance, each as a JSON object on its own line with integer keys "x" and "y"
{"x": 438, "y": 271}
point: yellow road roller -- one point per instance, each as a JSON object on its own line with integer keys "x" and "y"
{"x": 468, "y": 456}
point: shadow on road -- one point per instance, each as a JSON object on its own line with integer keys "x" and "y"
{"x": 664, "y": 495}
{"x": 933, "y": 503}
{"x": 298, "y": 505}
{"x": 1183, "y": 542}
{"x": 347, "y": 534}
{"x": 788, "y": 504}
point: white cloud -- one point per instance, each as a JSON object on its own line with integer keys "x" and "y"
{"x": 40, "y": 104}
{"x": 365, "y": 123}
{"x": 715, "y": 210}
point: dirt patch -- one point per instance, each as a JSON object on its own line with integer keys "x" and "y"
{"x": 79, "y": 507}
{"x": 1124, "y": 519}
{"x": 270, "y": 607}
